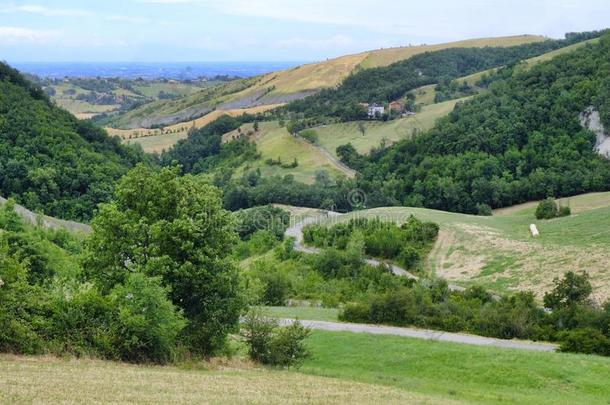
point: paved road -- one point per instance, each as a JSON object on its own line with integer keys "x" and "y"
{"x": 425, "y": 334}
{"x": 296, "y": 231}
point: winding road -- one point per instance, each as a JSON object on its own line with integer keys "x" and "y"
{"x": 296, "y": 231}
{"x": 425, "y": 334}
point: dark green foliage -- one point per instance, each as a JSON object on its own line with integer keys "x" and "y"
{"x": 172, "y": 227}
{"x": 49, "y": 160}
{"x": 309, "y": 135}
{"x": 573, "y": 289}
{"x": 406, "y": 244}
{"x": 520, "y": 141}
{"x": 273, "y": 345}
{"x": 547, "y": 209}
{"x": 148, "y": 324}
{"x": 269, "y": 218}
{"x": 253, "y": 190}
{"x": 574, "y": 321}
{"x": 587, "y": 340}
{"x": 484, "y": 210}
{"x": 200, "y": 151}
{"x": 46, "y": 308}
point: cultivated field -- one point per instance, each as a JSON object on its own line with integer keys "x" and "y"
{"x": 498, "y": 252}
{"x": 158, "y": 140}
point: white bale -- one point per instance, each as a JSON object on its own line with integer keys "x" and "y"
{"x": 534, "y": 230}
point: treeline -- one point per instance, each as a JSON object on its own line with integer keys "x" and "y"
{"x": 571, "y": 318}
{"x": 50, "y": 161}
{"x": 385, "y": 84}
{"x": 522, "y": 140}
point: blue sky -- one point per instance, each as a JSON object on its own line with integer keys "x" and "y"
{"x": 268, "y": 30}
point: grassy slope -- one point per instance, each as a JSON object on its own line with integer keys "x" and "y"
{"x": 332, "y": 136}
{"x": 50, "y": 380}
{"x": 305, "y": 313}
{"x": 344, "y": 368}
{"x": 302, "y": 79}
{"x": 274, "y": 142}
{"x": 499, "y": 252}
{"x": 385, "y": 57}
{"x": 460, "y": 372}
{"x": 155, "y": 140}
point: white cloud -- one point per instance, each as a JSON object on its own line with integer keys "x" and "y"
{"x": 46, "y": 11}
{"x": 324, "y": 43}
{"x": 16, "y": 35}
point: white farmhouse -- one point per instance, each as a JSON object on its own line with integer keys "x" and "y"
{"x": 376, "y": 110}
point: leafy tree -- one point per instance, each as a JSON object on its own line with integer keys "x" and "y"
{"x": 172, "y": 227}
{"x": 572, "y": 289}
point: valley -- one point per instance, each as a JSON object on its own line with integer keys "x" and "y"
{"x": 414, "y": 224}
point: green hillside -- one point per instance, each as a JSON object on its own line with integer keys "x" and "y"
{"x": 521, "y": 140}
{"x": 499, "y": 252}
{"x": 288, "y": 85}
{"x": 52, "y": 162}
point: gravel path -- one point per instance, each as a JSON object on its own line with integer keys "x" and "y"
{"x": 425, "y": 334}
{"x": 296, "y": 231}
{"x": 46, "y": 221}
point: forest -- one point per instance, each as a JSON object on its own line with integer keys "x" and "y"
{"x": 520, "y": 141}
{"x": 50, "y": 161}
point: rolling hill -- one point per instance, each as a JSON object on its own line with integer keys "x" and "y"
{"x": 498, "y": 252}
{"x": 51, "y": 162}
{"x": 285, "y": 86}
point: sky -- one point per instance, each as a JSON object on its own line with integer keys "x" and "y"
{"x": 269, "y": 30}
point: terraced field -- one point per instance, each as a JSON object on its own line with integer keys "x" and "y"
{"x": 499, "y": 252}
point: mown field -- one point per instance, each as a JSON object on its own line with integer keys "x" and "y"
{"x": 274, "y": 142}
{"x": 498, "y": 252}
{"x": 344, "y": 368}
{"x": 332, "y": 136}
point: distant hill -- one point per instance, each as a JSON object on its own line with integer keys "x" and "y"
{"x": 285, "y": 86}
{"x": 50, "y": 161}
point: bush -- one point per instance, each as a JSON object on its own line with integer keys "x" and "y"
{"x": 484, "y": 210}
{"x": 547, "y": 209}
{"x": 587, "y": 340}
{"x": 268, "y": 343}
{"x": 309, "y": 135}
{"x": 264, "y": 218}
{"x": 147, "y": 324}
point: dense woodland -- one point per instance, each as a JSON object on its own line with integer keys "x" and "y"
{"x": 520, "y": 141}
{"x": 49, "y": 160}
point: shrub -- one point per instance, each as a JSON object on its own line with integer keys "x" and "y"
{"x": 587, "y": 340}
{"x": 277, "y": 287}
{"x": 273, "y": 345}
{"x": 264, "y": 218}
{"x": 484, "y": 210}
{"x": 547, "y": 209}
{"x": 147, "y": 324}
{"x": 309, "y": 135}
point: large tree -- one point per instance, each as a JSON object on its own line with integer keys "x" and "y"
{"x": 161, "y": 224}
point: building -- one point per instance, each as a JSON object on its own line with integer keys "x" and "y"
{"x": 376, "y": 110}
{"x": 396, "y": 106}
